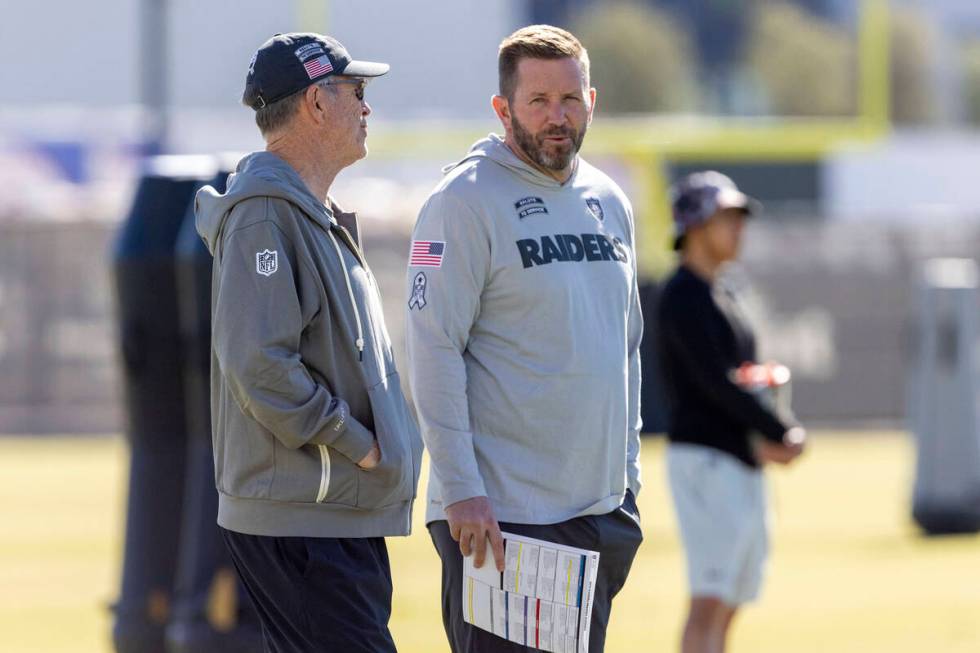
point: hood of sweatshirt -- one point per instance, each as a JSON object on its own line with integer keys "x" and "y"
{"x": 261, "y": 174}
{"x": 493, "y": 147}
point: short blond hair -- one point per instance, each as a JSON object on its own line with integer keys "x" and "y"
{"x": 536, "y": 42}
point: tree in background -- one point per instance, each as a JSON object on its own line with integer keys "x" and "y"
{"x": 805, "y": 65}
{"x": 971, "y": 81}
{"x": 912, "y": 63}
{"x": 795, "y": 63}
{"x": 808, "y": 66}
{"x": 642, "y": 60}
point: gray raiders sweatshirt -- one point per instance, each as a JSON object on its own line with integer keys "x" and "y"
{"x": 523, "y": 328}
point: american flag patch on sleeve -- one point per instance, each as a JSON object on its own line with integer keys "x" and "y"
{"x": 427, "y": 253}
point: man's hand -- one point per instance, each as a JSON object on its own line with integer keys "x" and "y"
{"x": 794, "y": 441}
{"x": 371, "y": 460}
{"x": 470, "y": 523}
{"x": 795, "y": 437}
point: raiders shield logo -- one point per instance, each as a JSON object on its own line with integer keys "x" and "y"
{"x": 595, "y": 207}
{"x": 266, "y": 262}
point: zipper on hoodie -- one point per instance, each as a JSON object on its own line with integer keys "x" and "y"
{"x": 350, "y": 242}
{"x": 359, "y": 255}
{"x": 350, "y": 293}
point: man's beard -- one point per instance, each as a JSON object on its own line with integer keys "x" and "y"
{"x": 533, "y": 145}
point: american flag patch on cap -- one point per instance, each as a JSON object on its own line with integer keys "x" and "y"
{"x": 427, "y": 253}
{"x": 318, "y": 66}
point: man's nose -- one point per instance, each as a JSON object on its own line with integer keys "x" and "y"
{"x": 556, "y": 113}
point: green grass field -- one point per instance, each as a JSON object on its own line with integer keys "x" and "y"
{"x": 849, "y": 572}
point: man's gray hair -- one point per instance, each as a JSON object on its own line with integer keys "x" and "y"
{"x": 277, "y": 115}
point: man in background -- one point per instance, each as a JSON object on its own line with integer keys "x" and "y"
{"x": 720, "y": 433}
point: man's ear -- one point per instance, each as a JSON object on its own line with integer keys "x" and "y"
{"x": 501, "y": 107}
{"x": 592, "y": 96}
{"x": 314, "y": 101}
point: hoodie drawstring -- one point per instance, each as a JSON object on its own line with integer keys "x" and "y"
{"x": 350, "y": 293}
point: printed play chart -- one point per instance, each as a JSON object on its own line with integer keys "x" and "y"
{"x": 543, "y": 598}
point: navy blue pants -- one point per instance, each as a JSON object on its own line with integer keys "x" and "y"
{"x": 315, "y": 594}
{"x": 615, "y": 535}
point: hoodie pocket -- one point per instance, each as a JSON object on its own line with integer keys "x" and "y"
{"x": 395, "y": 478}
{"x": 313, "y": 473}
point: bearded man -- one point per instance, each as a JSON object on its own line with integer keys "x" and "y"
{"x": 524, "y": 326}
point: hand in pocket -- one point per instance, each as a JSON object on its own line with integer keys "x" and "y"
{"x": 371, "y": 460}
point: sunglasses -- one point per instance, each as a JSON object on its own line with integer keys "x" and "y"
{"x": 358, "y": 89}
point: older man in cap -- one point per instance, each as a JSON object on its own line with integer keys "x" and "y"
{"x": 316, "y": 452}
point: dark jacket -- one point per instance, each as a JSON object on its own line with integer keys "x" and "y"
{"x": 703, "y": 338}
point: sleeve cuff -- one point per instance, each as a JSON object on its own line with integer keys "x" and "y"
{"x": 460, "y": 491}
{"x": 354, "y": 442}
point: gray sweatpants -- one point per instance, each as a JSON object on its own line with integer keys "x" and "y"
{"x": 615, "y": 535}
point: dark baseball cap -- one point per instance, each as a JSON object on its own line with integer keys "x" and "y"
{"x": 700, "y": 195}
{"x": 288, "y": 63}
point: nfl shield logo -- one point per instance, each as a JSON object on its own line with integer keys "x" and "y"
{"x": 595, "y": 207}
{"x": 266, "y": 262}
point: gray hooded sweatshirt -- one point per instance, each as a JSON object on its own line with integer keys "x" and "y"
{"x": 302, "y": 374}
{"x": 524, "y": 326}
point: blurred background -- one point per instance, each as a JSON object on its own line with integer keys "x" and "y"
{"x": 856, "y": 122}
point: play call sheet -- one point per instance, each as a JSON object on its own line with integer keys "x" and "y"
{"x": 543, "y": 598}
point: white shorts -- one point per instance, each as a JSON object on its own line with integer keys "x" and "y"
{"x": 723, "y": 515}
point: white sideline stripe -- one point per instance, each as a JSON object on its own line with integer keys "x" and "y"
{"x": 324, "y": 472}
